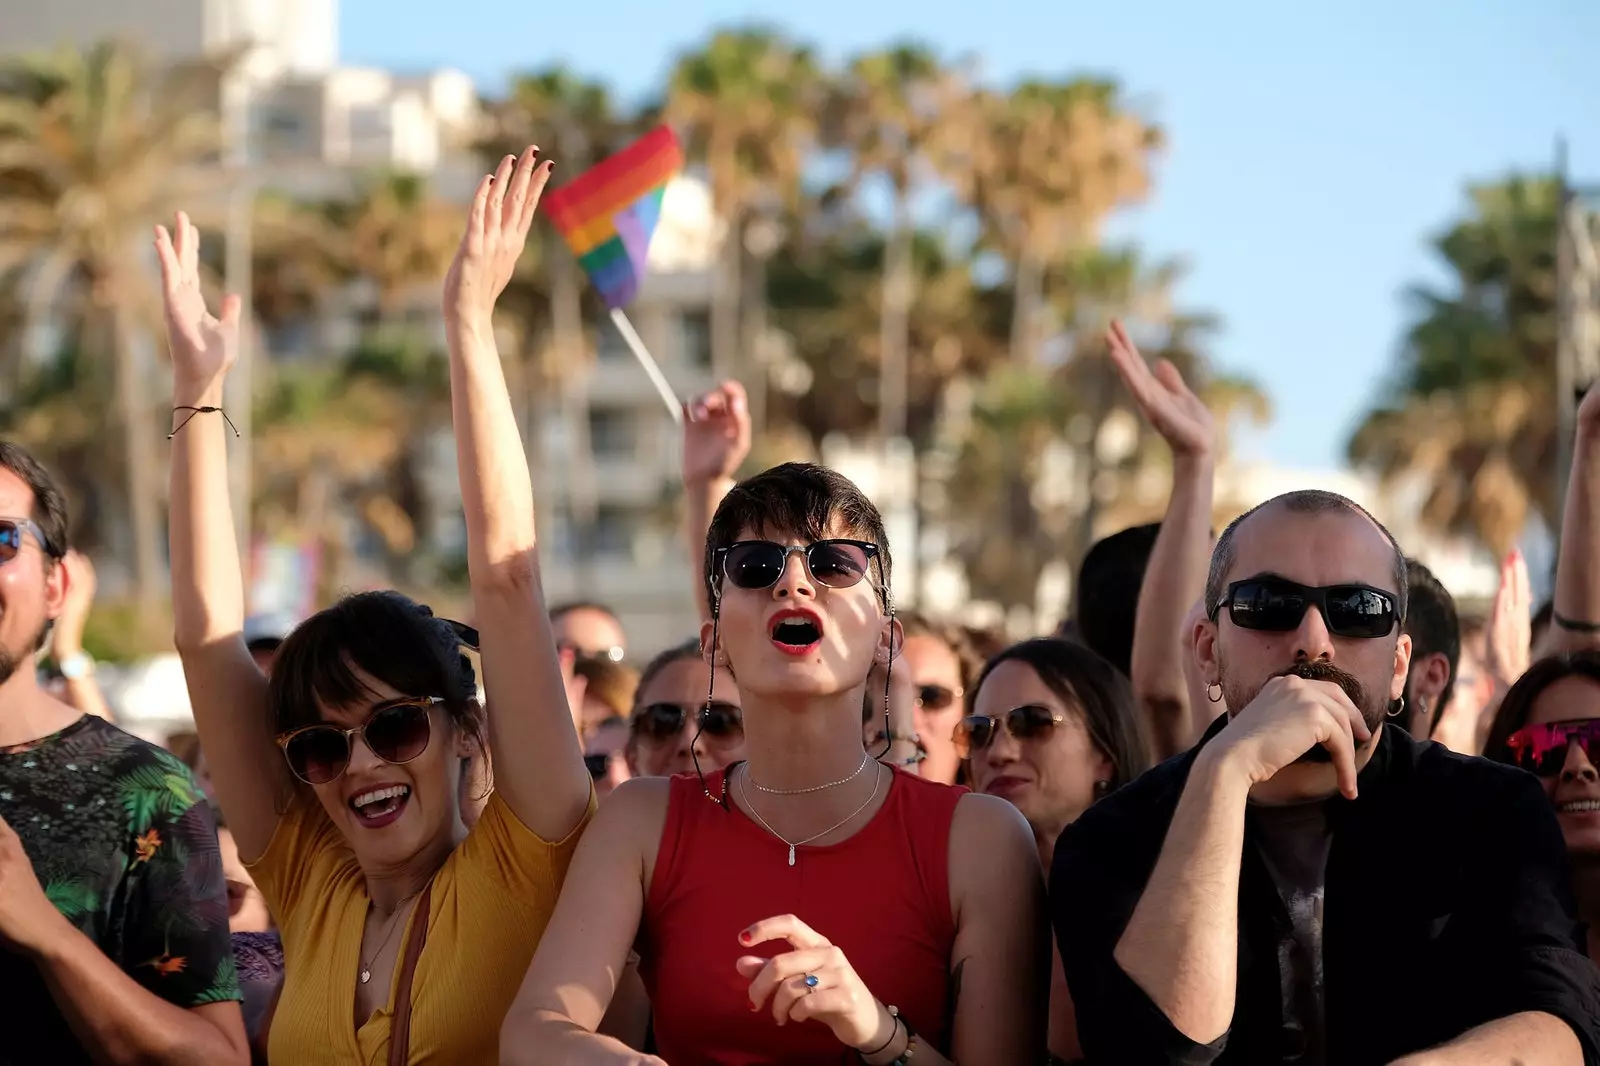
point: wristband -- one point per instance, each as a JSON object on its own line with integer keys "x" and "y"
{"x": 1572, "y": 624}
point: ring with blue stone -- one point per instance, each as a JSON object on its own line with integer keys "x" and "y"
{"x": 811, "y": 983}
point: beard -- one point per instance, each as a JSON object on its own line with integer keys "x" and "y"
{"x": 11, "y": 660}
{"x": 1373, "y": 710}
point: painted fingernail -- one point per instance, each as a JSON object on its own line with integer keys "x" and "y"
{"x": 754, "y": 1007}
{"x": 744, "y": 937}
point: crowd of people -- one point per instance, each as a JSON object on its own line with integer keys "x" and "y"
{"x": 1264, "y": 797}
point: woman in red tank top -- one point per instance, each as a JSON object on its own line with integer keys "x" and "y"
{"x": 808, "y": 905}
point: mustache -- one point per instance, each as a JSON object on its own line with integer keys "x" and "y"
{"x": 1321, "y": 670}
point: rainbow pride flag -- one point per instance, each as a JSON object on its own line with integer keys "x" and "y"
{"x": 608, "y": 214}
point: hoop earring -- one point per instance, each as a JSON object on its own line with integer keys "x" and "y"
{"x": 1397, "y": 707}
{"x": 1218, "y": 697}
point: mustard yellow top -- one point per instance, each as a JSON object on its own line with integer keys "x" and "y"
{"x": 491, "y": 902}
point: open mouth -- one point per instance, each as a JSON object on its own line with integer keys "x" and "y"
{"x": 1580, "y": 807}
{"x": 378, "y": 807}
{"x": 796, "y": 633}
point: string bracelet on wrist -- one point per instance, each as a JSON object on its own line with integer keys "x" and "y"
{"x": 1573, "y": 624}
{"x": 194, "y": 412}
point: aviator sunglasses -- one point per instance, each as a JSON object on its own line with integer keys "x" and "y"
{"x": 1277, "y": 605}
{"x": 663, "y": 721}
{"x": 759, "y": 564}
{"x": 937, "y": 697}
{"x": 1542, "y": 749}
{"x": 12, "y": 531}
{"x": 977, "y": 731}
{"x": 397, "y": 731}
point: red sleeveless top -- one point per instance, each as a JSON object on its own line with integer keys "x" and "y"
{"x": 882, "y": 897}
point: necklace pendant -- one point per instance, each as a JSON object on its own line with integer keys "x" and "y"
{"x": 791, "y": 854}
{"x": 366, "y": 975}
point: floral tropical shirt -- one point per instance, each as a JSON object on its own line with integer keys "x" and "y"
{"x": 126, "y": 847}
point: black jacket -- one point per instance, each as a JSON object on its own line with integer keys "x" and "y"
{"x": 1448, "y": 904}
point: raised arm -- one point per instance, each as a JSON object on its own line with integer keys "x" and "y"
{"x": 538, "y": 765}
{"x": 585, "y": 947}
{"x": 1176, "y": 575}
{"x": 716, "y": 440}
{"x": 1576, "y": 623}
{"x": 226, "y": 690}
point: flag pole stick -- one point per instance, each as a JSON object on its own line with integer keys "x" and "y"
{"x": 641, "y": 353}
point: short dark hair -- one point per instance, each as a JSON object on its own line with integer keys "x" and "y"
{"x": 385, "y": 634}
{"x": 799, "y": 498}
{"x": 1520, "y": 698}
{"x": 49, "y": 502}
{"x": 1107, "y": 597}
{"x": 1433, "y": 625}
{"x": 1084, "y": 679}
{"x": 1300, "y": 501}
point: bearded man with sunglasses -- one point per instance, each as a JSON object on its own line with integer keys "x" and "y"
{"x": 1268, "y": 896}
{"x": 114, "y": 944}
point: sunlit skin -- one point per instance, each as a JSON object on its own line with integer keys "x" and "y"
{"x": 1049, "y": 778}
{"x": 592, "y": 632}
{"x": 841, "y": 659}
{"x": 931, "y": 662}
{"x": 683, "y": 683}
{"x": 430, "y": 824}
{"x": 1571, "y": 699}
{"x": 1329, "y": 548}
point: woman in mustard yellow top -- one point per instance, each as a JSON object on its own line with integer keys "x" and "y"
{"x": 341, "y": 781}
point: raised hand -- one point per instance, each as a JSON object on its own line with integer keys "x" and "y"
{"x": 1183, "y": 421}
{"x": 716, "y": 434}
{"x": 497, "y": 229}
{"x": 837, "y": 998}
{"x": 1508, "y": 641}
{"x": 203, "y": 345}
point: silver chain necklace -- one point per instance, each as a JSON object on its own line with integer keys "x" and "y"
{"x": 877, "y": 781}
{"x": 805, "y": 791}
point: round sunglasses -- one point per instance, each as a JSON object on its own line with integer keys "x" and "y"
{"x": 1277, "y": 605}
{"x": 759, "y": 564}
{"x": 976, "y": 732}
{"x": 396, "y": 731}
{"x": 664, "y": 721}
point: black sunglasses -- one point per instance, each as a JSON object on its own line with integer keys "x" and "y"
{"x": 397, "y": 731}
{"x": 976, "y": 732}
{"x": 597, "y": 765}
{"x": 663, "y": 721}
{"x": 759, "y": 564}
{"x": 1278, "y": 605}
{"x": 937, "y": 697}
{"x": 12, "y": 530}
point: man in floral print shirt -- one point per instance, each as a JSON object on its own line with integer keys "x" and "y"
{"x": 114, "y": 942}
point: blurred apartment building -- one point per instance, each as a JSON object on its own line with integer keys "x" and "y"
{"x": 310, "y": 125}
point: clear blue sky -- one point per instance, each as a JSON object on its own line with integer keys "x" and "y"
{"x": 1314, "y": 146}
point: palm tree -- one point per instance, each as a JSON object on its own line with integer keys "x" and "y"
{"x": 1472, "y": 416}
{"x": 1052, "y": 162}
{"x": 894, "y": 113}
{"x": 95, "y": 147}
{"x": 747, "y": 105}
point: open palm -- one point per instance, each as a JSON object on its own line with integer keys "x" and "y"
{"x": 1182, "y": 419}
{"x": 203, "y": 345}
